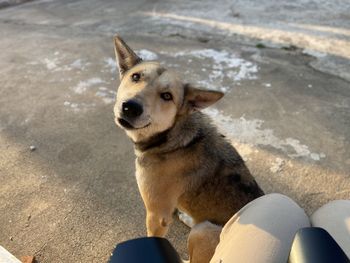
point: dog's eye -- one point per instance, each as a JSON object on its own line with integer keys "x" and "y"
{"x": 135, "y": 77}
{"x": 166, "y": 96}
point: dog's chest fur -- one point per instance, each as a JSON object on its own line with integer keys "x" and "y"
{"x": 194, "y": 165}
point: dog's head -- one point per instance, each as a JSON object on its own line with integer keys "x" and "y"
{"x": 151, "y": 97}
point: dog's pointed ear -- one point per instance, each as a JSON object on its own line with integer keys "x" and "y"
{"x": 197, "y": 99}
{"x": 126, "y": 57}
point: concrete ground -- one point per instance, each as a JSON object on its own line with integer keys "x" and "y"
{"x": 284, "y": 68}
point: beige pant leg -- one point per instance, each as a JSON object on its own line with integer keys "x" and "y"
{"x": 261, "y": 232}
{"x": 335, "y": 218}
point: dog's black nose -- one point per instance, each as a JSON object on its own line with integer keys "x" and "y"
{"x": 131, "y": 109}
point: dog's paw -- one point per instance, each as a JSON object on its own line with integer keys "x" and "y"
{"x": 186, "y": 219}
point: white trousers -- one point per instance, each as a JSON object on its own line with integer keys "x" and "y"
{"x": 264, "y": 229}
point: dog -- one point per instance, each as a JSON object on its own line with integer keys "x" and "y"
{"x": 182, "y": 161}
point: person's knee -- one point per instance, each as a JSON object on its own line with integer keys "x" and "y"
{"x": 335, "y": 218}
{"x": 331, "y": 213}
{"x": 277, "y": 198}
{"x": 336, "y": 206}
{"x": 272, "y": 220}
{"x": 273, "y": 208}
{"x": 276, "y": 202}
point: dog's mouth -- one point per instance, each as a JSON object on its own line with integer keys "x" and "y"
{"x": 127, "y": 125}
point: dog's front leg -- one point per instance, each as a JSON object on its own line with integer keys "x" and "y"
{"x": 159, "y": 209}
{"x": 157, "y": 222}
{"x": 160, "y": 192}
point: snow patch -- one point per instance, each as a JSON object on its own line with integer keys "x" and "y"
{"x": 107, "y": 96}
{"x": 220, "y": 66}
{"x": 314, "y": 53}
{"x": 147, "y": 54}
{"x": 77, "y": 107}
{"x": 240, "y": 68}
{"x": 55, "y": 63}
{"x": 84, "y": 85}
{"x": 51, "y": 64}
{"x": 251, "y": 132}
{"x": 277, "y": 166}
{"x": 111, "y": 64}
{"x": 72, "y": 106}
{"x": 79, "y": 64}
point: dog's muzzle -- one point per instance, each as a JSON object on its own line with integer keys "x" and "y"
{"x": 130, "y": 111}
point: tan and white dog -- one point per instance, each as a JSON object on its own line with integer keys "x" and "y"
{"x": 182, "y": 162}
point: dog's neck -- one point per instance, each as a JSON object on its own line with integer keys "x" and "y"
{"x": 186, "y": 131}
{"x": 156, "y": 140}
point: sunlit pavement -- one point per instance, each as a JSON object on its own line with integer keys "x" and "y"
{"x": 72, "y": 195}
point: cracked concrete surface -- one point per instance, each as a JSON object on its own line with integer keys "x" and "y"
{"x": 284, "y": 68}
